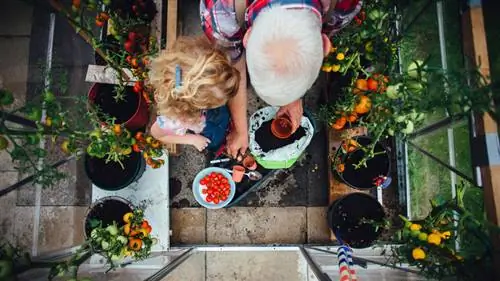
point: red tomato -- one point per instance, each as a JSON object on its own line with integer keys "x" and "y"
{"x": 203, "y": 182}
{"x": 208, "y": 199}
{"x": 216, "y": 200}
{"x": 204, "y": 191}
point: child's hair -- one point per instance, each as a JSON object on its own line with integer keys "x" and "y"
{"x": 207, "y": 76}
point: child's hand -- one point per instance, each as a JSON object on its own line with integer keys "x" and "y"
{"x": 199, "y": 141}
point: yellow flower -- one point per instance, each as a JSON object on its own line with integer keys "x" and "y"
{"x": 326, "y": 68}
{"x": 415, "y": 227}
{"x": 460, "y": 258}
{"x": 446, "y": 235}
{"x": 418, "y": 254}
{"x": 434, "y": 238}
{"x": 333, "y": 50}
{"x": 127, "y": 217}
{"x": 335, "y": 67}
{"x": 340, "y": 56}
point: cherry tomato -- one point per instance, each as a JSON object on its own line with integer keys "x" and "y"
{"x": 216, "y": 200}
{"x": 204, "y": 191}
{"x": 208, "y": 199}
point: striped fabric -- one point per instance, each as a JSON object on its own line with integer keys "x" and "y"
{"x": 220, "y": 24}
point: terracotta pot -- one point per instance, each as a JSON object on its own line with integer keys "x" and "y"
{"x": 281, "y": 127}
{"x": 249, "y": 163}
{"x": 238, "y": 173}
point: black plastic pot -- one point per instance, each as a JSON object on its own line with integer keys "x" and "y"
{"x": 354, "y": 219}
{"x": 363, "y": 178}
{"x": 107, "y": 210}
{"x": 111, "y": 176}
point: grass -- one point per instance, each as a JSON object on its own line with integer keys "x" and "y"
{"x": 428, "y": 179}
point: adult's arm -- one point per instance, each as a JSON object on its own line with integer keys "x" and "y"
{"x": 237, "y": 140}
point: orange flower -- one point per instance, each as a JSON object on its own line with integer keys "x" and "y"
{"x": 117, "y": 129}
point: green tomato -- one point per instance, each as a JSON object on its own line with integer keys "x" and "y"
{"x": 409, "y": 128}
{"x": 392, "y": 91}
{"x": 422, "y": 236}
{"x": 112, "y": 229}
{"x": 374, "y": 14}
{"x": 104, "y": 245}
{"x": 414, "y": 86}
{"x": 414, "y": 67}
{"x": 400, "y": 118}
{"x": 106, "y": 2}
{"x": 390, "y": 132}
{"x": 122, "y": 239}
{"x": 415, "y": 233}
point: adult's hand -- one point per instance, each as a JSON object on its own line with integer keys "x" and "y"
{"x": 237, "y": 143}
{"x": 294, "y": 111}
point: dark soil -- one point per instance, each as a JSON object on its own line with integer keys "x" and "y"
{"x": 362, "y": 178}
{"x": 122, "y": 110}
{"x": 353, "y": 219}
{"x": 267, "y": 141}
{"x": 107, "y": 212}
{"x": 111, "y": 176}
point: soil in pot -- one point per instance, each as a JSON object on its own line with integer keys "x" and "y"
{"x": 122, "y": 110}
{"x": 107, "y": 211}
{"x": 363, "y": 177}
{"x": 111, "y": 176}
{"x": 354, "y": 219}
{"x": 267, "y": 141}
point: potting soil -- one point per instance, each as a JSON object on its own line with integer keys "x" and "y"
{"x": 111, "y": 175}
{"x": 363, "y": 177}
{"x": 267, "y": 141}
{"x": 107, "y": 212}
{"x": 122, "y": 110}
{"x": 354, "y": 217}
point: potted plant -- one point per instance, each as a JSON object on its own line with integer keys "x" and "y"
{"x": 356, "y": 219}
{"x": 377, "y": 167}
{"x": 430, "y": 244}
{"x": 113, "y": 228}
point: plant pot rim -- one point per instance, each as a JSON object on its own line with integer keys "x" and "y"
{"x": 90, "y": 102}
{"x": 141, "y": 167}
{"x": 342, "y": 198}
{"x": 341, "y": 176}
{"x": 99, "y": 201}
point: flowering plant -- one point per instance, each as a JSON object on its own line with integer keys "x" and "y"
{"x": 450, "y": 242}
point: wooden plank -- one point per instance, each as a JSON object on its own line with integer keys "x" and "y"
{"x": 106, "y": 75}
{"x": 172, "y": 17}
{"x": 476, "y": 49}
{"x": 337, "y": 188}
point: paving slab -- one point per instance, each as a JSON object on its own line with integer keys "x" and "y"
{"x": 15, "y": 18}
{"x": 183, "y": 170}
{"x": 318, "y": 231}
{"x": 23, "y": 227}
{"x": 255, "y": 266}
{"x": 192, "y": 269}
{"x": 74, "y": 190}
{"x": 188, "y": 226}
{"x": 263, "y": 225}
{"x": 60, "y": 228}
{"x": 8, "y": 207}
{"x": 14, "y": 61}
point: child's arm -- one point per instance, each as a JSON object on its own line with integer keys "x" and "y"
{"x": 198, "y": 141}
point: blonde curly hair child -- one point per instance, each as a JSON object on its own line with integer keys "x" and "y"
{"x": 193, "y": 81}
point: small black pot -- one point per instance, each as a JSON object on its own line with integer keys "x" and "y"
{"x": 363, "y": 178}
{"x": 111, "y": 176}
{"x": 107, "y": 210}
{"x": 348, "y": 216}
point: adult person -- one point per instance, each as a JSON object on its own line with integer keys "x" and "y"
{"x": 285, "y": 42}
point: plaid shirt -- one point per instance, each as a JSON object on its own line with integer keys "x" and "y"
{"x": 220, "y": 24}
